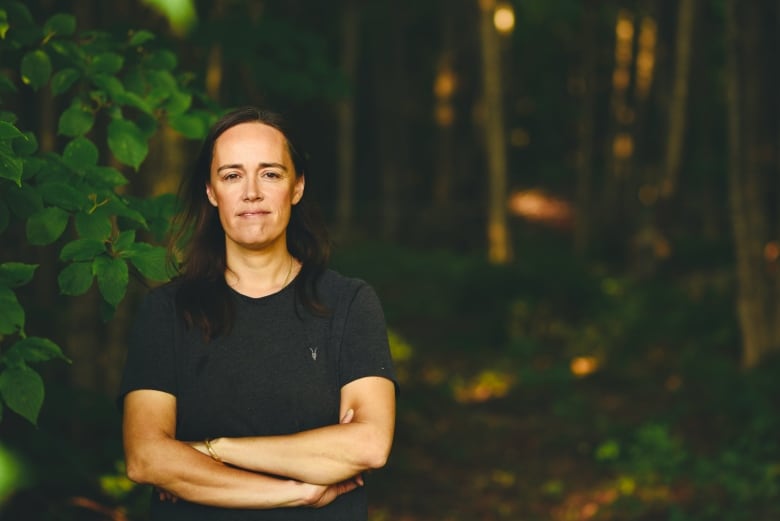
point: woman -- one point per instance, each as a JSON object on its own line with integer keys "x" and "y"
{"x": 259, "y": 383}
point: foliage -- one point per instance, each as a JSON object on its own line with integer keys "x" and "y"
{"x": 116, "y": 90}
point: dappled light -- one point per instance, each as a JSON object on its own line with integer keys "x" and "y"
{"x": 582, "y": 366}
{"x": 536, "y": 205}
{"x": 12, "y": 474}
{"x": 772, "y": 251}
{"x": 180, "y": 13}
{"x": 645, "y": 59}
{"x": 623, "y": 146}
{"x": 504, "y": 18}
{"x": 487, "y": 385}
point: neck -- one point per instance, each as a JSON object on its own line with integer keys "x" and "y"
{"x": 261, "y": 273}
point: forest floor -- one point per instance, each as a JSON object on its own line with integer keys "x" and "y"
{"x": 481, "y": 447}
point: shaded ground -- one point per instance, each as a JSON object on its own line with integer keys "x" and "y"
{"x": 525, "y": 456}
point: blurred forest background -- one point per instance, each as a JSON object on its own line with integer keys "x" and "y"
{"x": 568, "y": 207}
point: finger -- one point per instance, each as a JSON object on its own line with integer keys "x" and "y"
{"x": 347, "y": 416}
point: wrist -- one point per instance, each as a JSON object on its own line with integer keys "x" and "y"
{"x": 210, "y": 444}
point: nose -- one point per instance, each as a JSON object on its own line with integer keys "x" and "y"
{"x": 252, "y": 190}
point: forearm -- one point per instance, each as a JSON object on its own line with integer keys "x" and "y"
{"x": 177, "y": 468}
{"x": 324, "y": 456}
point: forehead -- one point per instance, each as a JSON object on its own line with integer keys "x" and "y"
{"x": 251, "y": 139}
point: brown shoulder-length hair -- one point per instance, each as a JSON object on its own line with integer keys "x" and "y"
{"x": 203, "y": 299}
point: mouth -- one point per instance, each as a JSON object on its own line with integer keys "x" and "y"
{"x": 253, "y": 213}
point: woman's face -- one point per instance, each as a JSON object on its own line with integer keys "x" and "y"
{"x": 253, "y": 185}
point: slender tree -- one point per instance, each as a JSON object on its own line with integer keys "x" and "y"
{"x": 499, "y": 244}
{"x": 755, "y": 297}
{"x": 585, "y": 129}
{"x": 350, "y": 33}
{"x": 678, "y": 104}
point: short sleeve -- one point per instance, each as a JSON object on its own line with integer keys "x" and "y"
{"x": 364, "y": 347}
{"x": 151, "y": 356}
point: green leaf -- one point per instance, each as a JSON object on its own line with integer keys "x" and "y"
{"x": 80, "y": 153}
{"x": 82, "y": 250}
{"x": 34, "y": 165}
{"x": 127, "y": 143}
{"x": 23, "y": 201}
{"x": 112, "y": 276}
{"x": 46, "y": 226}
{"x": 178, "y": 103}
{"x": 75, "y": 279}
{"x": 36, "y": 349}
{"x": 11, "y": 312}
{"x": 63, "y": 195}
{"x": 75, "y": 121}
{"x": 120, "y": 208}
{"x": 111, "y": 85}
{"x": 96, "y": 225}
{"x": 26, "y": 145}
{"x": 63, "y": 80}
{"x": 162, "y": 86}
{"x": 36, "y": 69}
{"x": 73, "y": 52}
{"x": 26, "y": 32}
{"x": 22, "y": 390}
{"x": 4, "y": 25}
{"x": 6, "y": 85}
{"x": 60, "y": 24}
{"x": 147, "y": 124}
{"x": 150, "y": 260}
{"x": 11, "y": 165}
{"x": 123, "y": 241}
{"x": 134, "y": 100}
{"x": 14, "y": 274}
{"x": 107, "y": 63}
{"x": 105, "y": 176}
{"x": 9, "y": 131}
{"x": 8, "y": 117}
{"x": 140, "y": 38}
{"x": 161, "y": 59}
{"x": 188, "y": 125}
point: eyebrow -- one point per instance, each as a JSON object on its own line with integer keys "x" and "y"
{"x": 261, "y": 165}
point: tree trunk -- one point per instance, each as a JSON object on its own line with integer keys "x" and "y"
{"x": 214, "y": 62}
{"x": 444, "y": 89}
{"x": 392, "y": 103}
{"x": 745, "y": 201}
{"x": 499, "y": 245}
{"x": 346, "y": 120}
{"x": 585, "y": 132}
{"x": 620, "y": 139}
{"x": 776, "y": 332}
{"x": 675, "y": 135}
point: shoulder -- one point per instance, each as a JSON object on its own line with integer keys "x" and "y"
{"x": 161, "y": 297}
{"x": 333, "y": 285}
{"x": 347, "y": 295}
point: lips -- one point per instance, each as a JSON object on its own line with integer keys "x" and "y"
{"x": 253, "y": 213}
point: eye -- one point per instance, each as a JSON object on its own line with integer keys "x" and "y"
{"x": 230, "y": 176}
{"x": 272, "y": 174}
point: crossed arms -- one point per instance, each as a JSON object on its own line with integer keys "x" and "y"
{"x": 309, "y": 468}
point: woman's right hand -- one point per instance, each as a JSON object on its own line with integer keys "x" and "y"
{"x": 319, "y": 496}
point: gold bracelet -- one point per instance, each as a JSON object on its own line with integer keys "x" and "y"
{"x": 212, "y": 453}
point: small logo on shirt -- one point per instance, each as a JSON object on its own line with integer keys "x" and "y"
{"x": 313, "y": 351}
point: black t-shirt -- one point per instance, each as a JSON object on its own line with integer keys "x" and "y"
{"x": 277, "y": 372}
